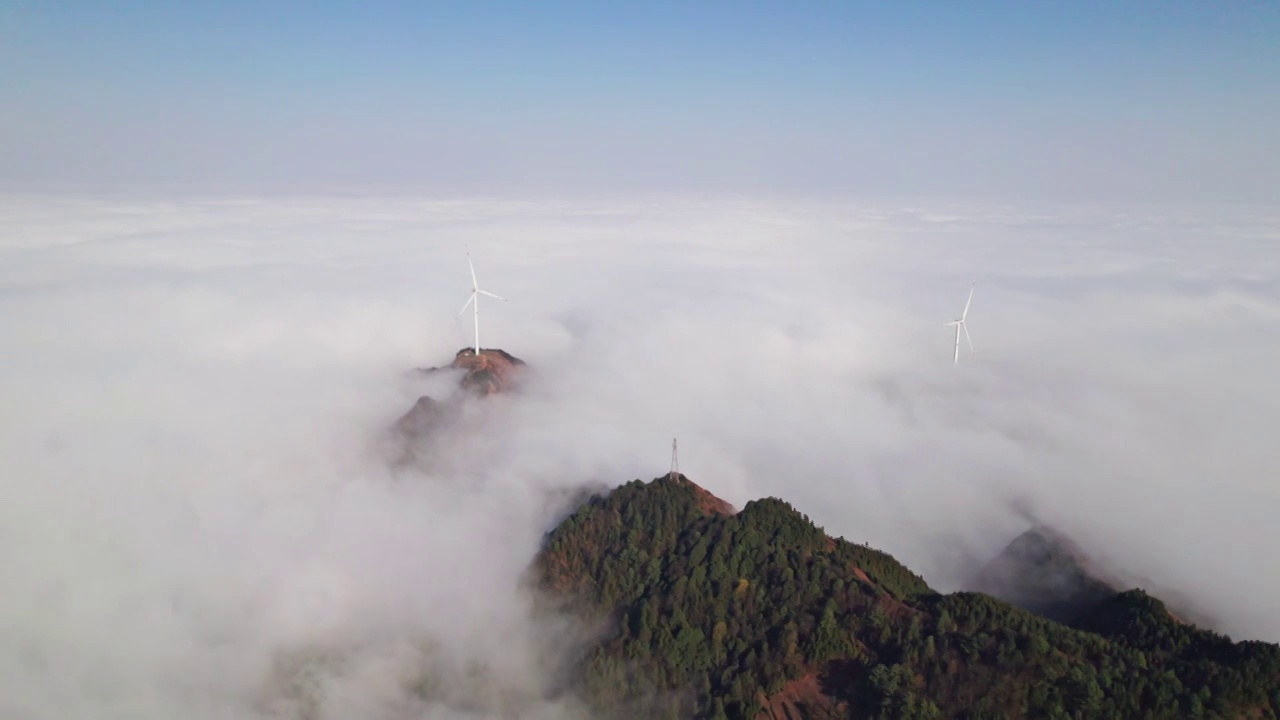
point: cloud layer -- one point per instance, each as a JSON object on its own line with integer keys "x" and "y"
{"x": 197, "y": 520}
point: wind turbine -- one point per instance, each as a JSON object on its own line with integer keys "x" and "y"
{"x": 474, "y": 301}
{"x": 959, "y": 323}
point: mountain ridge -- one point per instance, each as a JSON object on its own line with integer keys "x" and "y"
{"x": 760, "y": 614}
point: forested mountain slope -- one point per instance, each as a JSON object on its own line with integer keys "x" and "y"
{"x": 759, "y": 614}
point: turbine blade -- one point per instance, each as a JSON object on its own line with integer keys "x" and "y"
{"x": 965, "y": 314}
{"x": 486, "y": 292}
{"x": 470, "y": 297}
{"x": 967, "y": 338}
{"x": 474, "y": 284}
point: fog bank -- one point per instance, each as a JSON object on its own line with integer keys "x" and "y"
{"x": 197, "y": 520}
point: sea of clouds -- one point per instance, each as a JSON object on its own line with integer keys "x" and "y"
{"x": 197, "y": 522}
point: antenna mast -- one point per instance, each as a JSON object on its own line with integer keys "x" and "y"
{"x": 675, "y": 461}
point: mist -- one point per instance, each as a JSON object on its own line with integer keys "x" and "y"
{"x": 198, "y": 522}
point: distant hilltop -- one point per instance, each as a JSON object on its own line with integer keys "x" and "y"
{"x": 489, "y": 372}
{"x": 1044, "y": 571}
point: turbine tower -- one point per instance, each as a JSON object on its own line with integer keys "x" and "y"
{"x": 959, "y": 324}
{"x": 474, "y": 301}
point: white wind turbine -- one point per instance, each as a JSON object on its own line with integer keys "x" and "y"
{"x": 959, "y": 323}
{"x": 474, "y": 301}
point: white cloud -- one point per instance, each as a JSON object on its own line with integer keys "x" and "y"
{"x": 193, "y": 388}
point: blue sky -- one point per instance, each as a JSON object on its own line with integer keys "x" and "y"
{"x": 1142, "y": 101}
